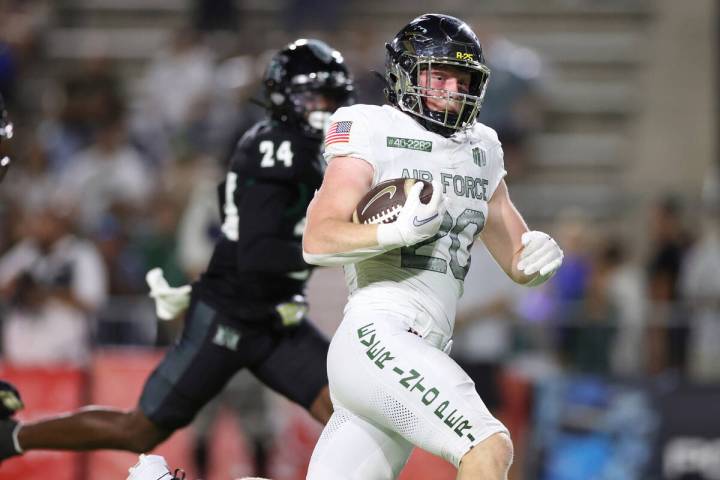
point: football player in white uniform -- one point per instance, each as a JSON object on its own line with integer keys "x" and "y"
{"x": 392, "y": 383}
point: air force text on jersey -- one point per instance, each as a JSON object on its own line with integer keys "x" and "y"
{"x": 462, "y": 185}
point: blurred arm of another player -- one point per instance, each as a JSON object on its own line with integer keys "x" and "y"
{"x": 4, "y": 166}
{"x": 6, "y": 133}
{"x": 170, "y": 302}
{"x": 331, "y": 238}
{"x": 527, "y": 257}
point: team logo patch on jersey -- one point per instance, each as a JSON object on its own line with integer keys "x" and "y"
{"x": 339, "y": 132}
{"x": 479, "y": 157}
{"x": 410, "y": 144}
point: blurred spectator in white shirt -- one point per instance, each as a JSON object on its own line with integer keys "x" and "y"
{"x": 52, "y": 283}
{"x": 178, "y": 80}
{"x": 700, "y": 288}
{"x": 110, "y": 174}
{"x": 627, "y": 293}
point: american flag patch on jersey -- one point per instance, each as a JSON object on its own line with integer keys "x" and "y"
{"x": 339, "y": 132}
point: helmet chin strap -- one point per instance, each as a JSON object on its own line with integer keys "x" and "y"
{"x": 319, "y": 120}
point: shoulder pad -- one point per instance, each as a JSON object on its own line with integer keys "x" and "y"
{"x": 269, "y": 151}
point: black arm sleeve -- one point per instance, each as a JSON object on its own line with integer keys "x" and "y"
{"x": 265, "y": 242}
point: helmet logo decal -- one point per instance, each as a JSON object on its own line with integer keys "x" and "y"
{"x": 464, "y": 56}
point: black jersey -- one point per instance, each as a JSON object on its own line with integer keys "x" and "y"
{"x": 257, "y": 262}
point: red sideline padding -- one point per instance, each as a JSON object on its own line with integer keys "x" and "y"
{"x": 300, "y": 432}
{"x": 426, "y": 466}
{"x": 45, "y": 391}
{"x": 515, "y": 414}
{"x": 294, "y": 443}
{"x": 229, "y": 458}
{"x": 117, "y": 380}
{"x": 118, "y": 376}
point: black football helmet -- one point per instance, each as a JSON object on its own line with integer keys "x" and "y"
{"x": 430, "y": 40}
{"x": 300, "y": 73}
{"x": 6, "y": 133}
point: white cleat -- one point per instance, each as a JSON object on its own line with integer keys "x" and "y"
{"x": 150, "y": 467}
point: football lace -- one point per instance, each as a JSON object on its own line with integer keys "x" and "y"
{"x": 385, "y": 216}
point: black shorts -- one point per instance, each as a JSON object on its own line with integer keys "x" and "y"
{"x": 213, "y": 348}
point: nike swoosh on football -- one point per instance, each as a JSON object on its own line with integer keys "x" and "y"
{"x": 420, "y": 223}
{"x": 385, "y": 191}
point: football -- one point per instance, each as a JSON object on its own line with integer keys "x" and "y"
{"x": 383, "y": 202}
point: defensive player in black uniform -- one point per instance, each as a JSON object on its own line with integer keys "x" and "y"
{"x": 247, "y": 309}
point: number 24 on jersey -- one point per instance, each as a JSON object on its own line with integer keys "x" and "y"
{"x": 270, "y": 157}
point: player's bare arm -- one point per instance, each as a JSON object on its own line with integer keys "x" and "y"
{"x": 503, "y": 229}
{"x": 329, "y": 217}
{"x": 527, "y": 257}
{"x": 331, "y": 238}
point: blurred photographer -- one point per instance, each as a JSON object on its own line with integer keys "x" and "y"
{"x": 51, "y": 283}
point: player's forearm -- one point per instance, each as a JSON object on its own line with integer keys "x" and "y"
{"x": 330, "y": 236}
{"x": 334, "y": 243}
{"x": 515, "y": 274}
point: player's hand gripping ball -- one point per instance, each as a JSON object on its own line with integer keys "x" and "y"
{"x": 406, "y": 211}
{"x": 382, "y": 204}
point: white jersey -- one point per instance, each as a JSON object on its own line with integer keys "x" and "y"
{"x": 423, "y": 281}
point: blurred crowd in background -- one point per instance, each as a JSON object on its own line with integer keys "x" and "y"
{"x": 115, "y": 174}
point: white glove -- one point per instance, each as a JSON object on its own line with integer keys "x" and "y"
{"x": 150, "y": 467}
{"x": 169, "y": 301}
{"x": 416, "y": 222}
{"x": 540, "y": 255}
